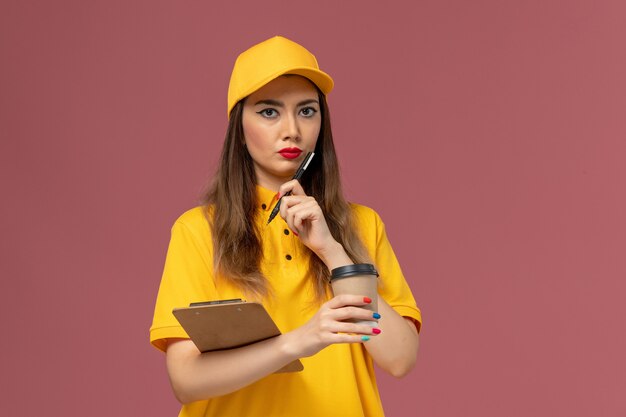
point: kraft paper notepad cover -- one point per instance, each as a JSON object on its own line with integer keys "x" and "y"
{"x": 228, "y": 325}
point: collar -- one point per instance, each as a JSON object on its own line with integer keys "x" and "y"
{"x": 266, "y": 199}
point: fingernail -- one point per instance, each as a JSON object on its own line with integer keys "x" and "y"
{"x": 376, "y": 330}
{"x": 365, "y": 338}
{"x": 367, "y": 300}
{"x": 294, "y": 233}
{"x": 376, "y": 316}
{"x": 277, "y": 196}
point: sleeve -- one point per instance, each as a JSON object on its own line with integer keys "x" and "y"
{"x": 392, "y": 287}
{"x": 187, "y": 277}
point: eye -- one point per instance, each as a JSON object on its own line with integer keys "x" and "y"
{"x": 308, "y": 111}
{"x": 268, "y": 113}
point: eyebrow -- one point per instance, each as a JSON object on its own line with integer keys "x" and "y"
{"x": 271, "y": 102}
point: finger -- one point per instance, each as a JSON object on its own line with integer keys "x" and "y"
{"x": 294, "y": 200}
{"x": 287, "y": 212}
{"x": 288, "y": 202}
{"x": 307, "y": 210}
{"x": 356, "y": 328}
{"x": 298, "y": 209}
{"x": 349, "y": 338}
{"x": 344, "y": 333}
{"x": 293, "y": 186}
{"x": 354, "y": 313}
{"x": 348, "y": 300}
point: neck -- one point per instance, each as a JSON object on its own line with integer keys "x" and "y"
{"x": 271, "y": 183}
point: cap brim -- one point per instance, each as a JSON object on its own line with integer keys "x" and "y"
{"x": 322, "y": 80}
{"x": 319, "y": 78}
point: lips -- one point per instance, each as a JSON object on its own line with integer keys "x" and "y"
{"x": 290, "y": 153}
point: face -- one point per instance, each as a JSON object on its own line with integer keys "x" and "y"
{"x": 281, "y": 123}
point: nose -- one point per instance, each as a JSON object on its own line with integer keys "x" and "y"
{"x": 291, "y": 128}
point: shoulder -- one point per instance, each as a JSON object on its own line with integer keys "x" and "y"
{"x": 192, "y": 230}
{"x": 194, "y": 220}
{"x": 368, "y": 223}
{"x": 365, "y": 216}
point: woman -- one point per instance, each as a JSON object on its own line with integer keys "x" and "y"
{"x": 226, "y": 249}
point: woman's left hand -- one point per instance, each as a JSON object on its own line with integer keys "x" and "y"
{"x": 305, "y": 218}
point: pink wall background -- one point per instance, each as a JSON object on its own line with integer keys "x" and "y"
{"x": 490, "y": 135}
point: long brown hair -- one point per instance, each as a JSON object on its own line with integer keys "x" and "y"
{"x": 232, "y": 206}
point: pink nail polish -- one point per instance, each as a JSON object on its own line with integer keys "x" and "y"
{"x": 376, "y": 330}
{"x": 367, "y": 300}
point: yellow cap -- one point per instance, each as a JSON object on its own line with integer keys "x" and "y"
{"x": 268, "y": 60}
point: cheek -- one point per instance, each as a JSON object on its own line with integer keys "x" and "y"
{"x": 255, "y": 136}
{"x": 314, "y": 132}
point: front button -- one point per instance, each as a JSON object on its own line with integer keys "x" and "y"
{"x": 263, "y": 206}
{"x": 288, "y": 257}
{"x": 286, "y": 231}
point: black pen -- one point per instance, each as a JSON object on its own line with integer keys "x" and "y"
{"x": 297, "y": 176}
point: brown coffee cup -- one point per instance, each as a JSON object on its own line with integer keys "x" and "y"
{"x": 365, "y": 285}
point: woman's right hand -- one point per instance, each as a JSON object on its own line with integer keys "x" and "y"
{"x": 328, "y": 326}
{"x": 196, "y": 376}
